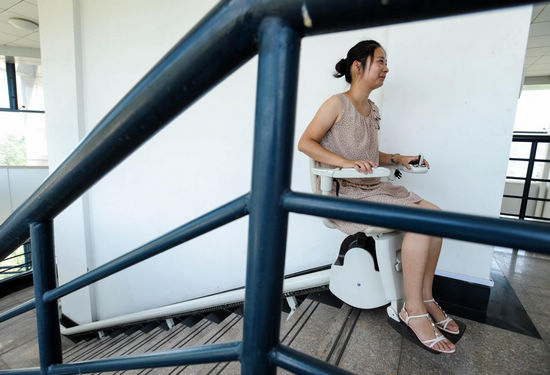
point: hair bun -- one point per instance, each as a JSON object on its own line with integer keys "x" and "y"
{"x": 341, "y": 68}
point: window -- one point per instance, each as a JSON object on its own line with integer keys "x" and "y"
{"x": 4, "y": 96}
{"x": 30, "y": 94}
{"x": 533, "y": 111}
{"x": 532, "y": 117}
{"x": 23, "y": 139}
{"x": 22, "y": 129}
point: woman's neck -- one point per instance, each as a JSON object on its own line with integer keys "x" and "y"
{"x": 360, "y": 95}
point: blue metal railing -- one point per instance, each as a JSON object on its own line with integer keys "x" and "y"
{"x": 226, "y": 38}
{"x": 534, "y": 140}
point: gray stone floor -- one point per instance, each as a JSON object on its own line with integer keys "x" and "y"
{"x": 372, "y": 347}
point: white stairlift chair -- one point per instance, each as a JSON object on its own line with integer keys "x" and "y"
{"x": 368, "y": 271}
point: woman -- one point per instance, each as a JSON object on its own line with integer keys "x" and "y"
{"x": 344, "y": 133}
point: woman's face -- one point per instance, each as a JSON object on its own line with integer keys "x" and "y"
{"x": 375, "y": 70}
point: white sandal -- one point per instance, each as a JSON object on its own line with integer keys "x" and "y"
{"x": 428, "y": 344}
{"x": 442, "y": 325}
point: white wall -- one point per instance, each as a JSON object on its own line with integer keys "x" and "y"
{"x": 455, "y": 99}
{"x": 203, "y": 158}
{"x": 16, "y": 185}
{"x": 451, "y": 94}
{"x": 62, "y": 67}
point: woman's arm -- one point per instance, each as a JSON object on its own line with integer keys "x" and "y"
{"x": 310, "y": 142}
{"x": 385, "y": 159}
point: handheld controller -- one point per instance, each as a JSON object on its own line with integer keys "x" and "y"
{"x": 417, "y": 166}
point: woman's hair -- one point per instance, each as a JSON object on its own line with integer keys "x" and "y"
{"x": 360, "y": 52}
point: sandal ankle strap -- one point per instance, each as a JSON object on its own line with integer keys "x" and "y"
{"x": 418, "y": 316}
{"x": 409, "y": 317}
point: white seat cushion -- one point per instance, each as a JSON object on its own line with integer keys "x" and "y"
{"x": 373, "y": 231}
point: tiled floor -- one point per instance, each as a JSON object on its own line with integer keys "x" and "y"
{"x": 372, "y": 346}
{"x": 529, "y": 276}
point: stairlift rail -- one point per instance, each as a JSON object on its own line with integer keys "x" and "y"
{"x": 290, "y": 285}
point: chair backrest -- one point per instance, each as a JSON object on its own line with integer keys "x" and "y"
{"x": 312, "y": 177}
{"x": 313, "y": 180}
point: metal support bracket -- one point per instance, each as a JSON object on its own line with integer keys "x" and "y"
{"x": 292, "y": 303}
{"x": 170, "y": 323}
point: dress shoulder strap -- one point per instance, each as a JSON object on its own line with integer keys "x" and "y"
{"x": 346, "y": 102}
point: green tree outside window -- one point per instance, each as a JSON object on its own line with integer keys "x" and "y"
{"x": 13, "y": 151}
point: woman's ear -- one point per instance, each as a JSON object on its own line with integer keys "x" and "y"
{"x": 357, "y": 65}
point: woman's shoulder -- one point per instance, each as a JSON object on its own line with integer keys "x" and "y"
{"x": 332, "y": 108}
{"x": 336, "y": 101}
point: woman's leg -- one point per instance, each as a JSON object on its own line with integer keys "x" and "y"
{"x": 414, "y": 254}
{"x": 431, "y": 264}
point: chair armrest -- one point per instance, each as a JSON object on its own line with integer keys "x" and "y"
{"x": 350, "y": 172}
{"x": 415, "y": 169}
{"x": 327, "y": 174}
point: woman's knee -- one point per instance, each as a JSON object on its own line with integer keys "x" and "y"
{"x": 415, "y": 240}
{"x": 429, "y": 205}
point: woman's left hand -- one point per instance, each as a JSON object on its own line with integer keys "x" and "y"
{"x": 405, "y": 161}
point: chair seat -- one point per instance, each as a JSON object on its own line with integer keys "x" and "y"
{"x": 373, "y": 231}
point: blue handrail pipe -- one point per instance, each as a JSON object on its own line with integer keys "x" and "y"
{"x": 228, "y": 36}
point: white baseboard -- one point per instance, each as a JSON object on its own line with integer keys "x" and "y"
{"x": 469, "y": 279}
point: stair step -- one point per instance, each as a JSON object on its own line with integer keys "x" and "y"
{"x": 125, "y": 346}
{"x": 102, "y": 344}
{"x": 162, "y": 343}
{"x": 311, "y": 327}
{"x": 180, "y": 339}
{"x": 80, "y": 344}
{"x": 233, "y": 331}
{"x": 330, "y": 325}
{"x": 78, "y": 347}
{"x": 87, "y": 341}
{"x": 288, "y": 325}
{"x": 86, "y": 345}
{"x": 209, "y": 335}
{"x": 136, "y": 345}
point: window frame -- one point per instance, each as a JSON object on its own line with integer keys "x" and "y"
{"x": 12, "y": 89}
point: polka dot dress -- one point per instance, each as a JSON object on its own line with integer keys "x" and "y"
{"x": 355, "y": 137}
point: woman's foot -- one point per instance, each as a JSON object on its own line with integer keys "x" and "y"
{"x": 425, "y": 330}
{"x": 443, "y": 321}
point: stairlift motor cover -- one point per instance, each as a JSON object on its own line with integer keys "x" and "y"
{"x": 367, "y": 272}
{"x": 356, "y": 282}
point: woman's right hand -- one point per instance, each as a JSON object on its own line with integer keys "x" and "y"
{"x": 362, "y": 166}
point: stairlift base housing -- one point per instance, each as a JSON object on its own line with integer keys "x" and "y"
{"x": 370, "y": 276}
